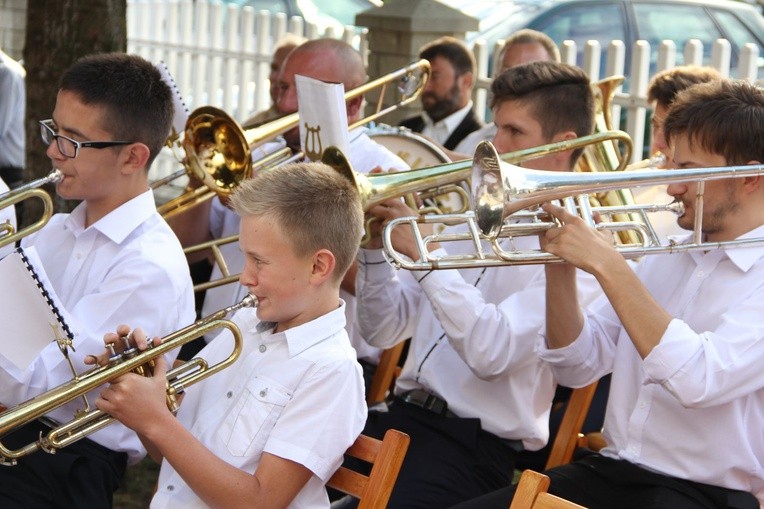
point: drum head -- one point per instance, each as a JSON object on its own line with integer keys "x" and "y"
{"x": 415, "y": 150}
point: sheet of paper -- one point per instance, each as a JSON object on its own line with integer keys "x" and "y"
{"x": 323, "y": 116}
{"x": 29, "y": 322}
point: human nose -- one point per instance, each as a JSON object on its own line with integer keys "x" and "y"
{"x": 659, "y": 141}
{"x": 53, "y": 152}
{"x": 248, "y": 276}
{"x": 676, "y": 189}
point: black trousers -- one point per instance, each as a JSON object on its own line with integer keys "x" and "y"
{"x": 449, "y": 459}
{"x": 598, "y": 482}
{"x": 82, "y": 475}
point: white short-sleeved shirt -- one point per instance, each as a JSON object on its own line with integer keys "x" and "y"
{"x": 298, "y": 395}
{"x": 126, "y": 268}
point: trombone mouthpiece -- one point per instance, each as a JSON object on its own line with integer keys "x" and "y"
{"x": 250, "y": 301}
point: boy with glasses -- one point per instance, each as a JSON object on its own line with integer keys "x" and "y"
{"x": 112, "y": 260}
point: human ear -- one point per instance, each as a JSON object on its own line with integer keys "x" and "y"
{"x": 354, "y": 106}
{"x": 467, "y": 79}
{"x": 323, "y": 266}
{"x": 135, "y": 157}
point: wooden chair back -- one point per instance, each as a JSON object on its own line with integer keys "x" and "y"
{"x": 384, "y": 377}
{"x": 386, "y": 456}
{"x": 569, "y": 433}
{"x": 531, "y": 493}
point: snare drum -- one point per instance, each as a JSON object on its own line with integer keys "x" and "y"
{"x": 415, "y": 150}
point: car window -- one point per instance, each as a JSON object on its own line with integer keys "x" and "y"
{"x": 584, "y": 22}
{"x": 737, "y": 33}
{"x": 679, "y": 23}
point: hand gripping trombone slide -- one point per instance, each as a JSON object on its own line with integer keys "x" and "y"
{"x": 503, "y": 192}
{"x": 89, "y": 421}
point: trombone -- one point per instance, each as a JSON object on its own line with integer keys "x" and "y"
{"x": 86, "y": 422}
{"x": 8, "y": 234}
{"x": 504, "y": 192}
{"x": 219, "y": 152}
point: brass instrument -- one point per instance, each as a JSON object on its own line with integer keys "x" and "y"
{"x": 8, "y": 235}
{"x": 131, "y": 360}
{"x": 219, "y": 152}
{"x": 504, "y": 191}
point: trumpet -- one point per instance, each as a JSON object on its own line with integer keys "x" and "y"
{"x": 219, "y": 152}
{"x": 504, "y": 192}
{"x": 27, "y": 191}
{"x": 130, "y": 360}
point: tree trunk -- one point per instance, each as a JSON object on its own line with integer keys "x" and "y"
{"x": 58, "y": 33}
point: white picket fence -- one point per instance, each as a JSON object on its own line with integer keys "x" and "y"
{"x": 219, "y": 55}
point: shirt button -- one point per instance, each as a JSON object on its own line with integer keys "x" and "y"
{"x": 642, "y": 404}
{"x": 170, "y": 488}
{"x": 701, "y": 273}
{"x": 229, "y": 394}
{"x": 263, "y": 348}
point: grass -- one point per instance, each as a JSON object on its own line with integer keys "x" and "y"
{"x": 138, "y": 486}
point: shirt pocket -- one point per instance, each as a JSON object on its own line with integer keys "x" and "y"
{"x": 251, "y": 419}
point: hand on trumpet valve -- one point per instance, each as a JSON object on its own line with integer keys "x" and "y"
{"x": 136, "y": 399}
{"x": 122, "y": 344}
{"x": 138, "y": 402}
{"x": 576, "y": 242}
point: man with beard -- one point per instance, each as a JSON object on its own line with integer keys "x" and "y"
{"x": 448, "y": 115}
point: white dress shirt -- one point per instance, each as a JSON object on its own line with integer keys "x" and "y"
{"x": 127, "y": 268}
{"x": 7, "y": 215}
{"x": 12, "y": 107}
{"x": 473, "y": 332}
{"x": 441, "y": 130}
{"x": 297, "y": 395}
{"x": 694, "y": 407}
{"x": 365, "y": 155}
{"x": 470, "y": 142}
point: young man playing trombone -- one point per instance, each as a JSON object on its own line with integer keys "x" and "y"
{"x": 683, "y": 336}
{"x": 472, "y": 392}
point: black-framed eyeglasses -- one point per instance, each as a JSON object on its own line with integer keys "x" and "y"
{"x": 69, "y": 147}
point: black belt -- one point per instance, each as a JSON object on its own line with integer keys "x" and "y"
{"x": 423, "y": 399}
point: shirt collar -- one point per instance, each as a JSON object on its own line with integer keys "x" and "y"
{"x": 452, "y": 121}
{"x": 745, "y": 256}
{"x": 120, "y": 222}
{"x": 742, "y": 256}
{"x": 304, "y": 336}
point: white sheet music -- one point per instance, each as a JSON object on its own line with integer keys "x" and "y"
{"x": 29, "y": 320}
{"x": 323, "y": 116}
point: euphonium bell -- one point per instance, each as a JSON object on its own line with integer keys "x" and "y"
{"x": 219, "y": 152}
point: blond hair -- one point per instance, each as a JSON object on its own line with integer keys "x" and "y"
{"x": 316, "y": 207}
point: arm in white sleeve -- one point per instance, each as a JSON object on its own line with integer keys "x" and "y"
{"x": 386, "y": 300}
